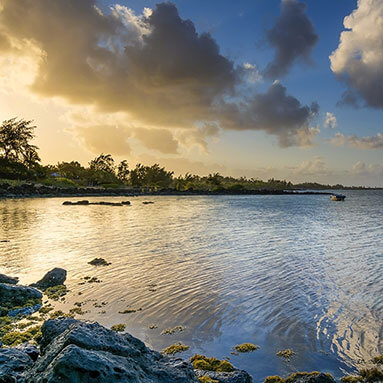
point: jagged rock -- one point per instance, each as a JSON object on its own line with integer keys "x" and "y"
{"x": 52, "y": 278}
{"x": 6, "y": 279}
{"x": 14, "y": 295}
{"x": 237, "y": 376}
{"x": 13, "y": 363}
{"x": 29, "y": 349}
{"x": 75, "y": 351}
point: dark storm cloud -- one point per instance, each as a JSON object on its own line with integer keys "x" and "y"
{"x": 275, "y": 112}
{"x": 155, "y": 68}
{"x": 293, "y": 37}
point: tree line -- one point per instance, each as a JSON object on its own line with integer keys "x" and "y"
{"x": 19, "y": 160}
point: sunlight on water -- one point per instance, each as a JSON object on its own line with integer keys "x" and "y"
{"x": 297, "y": 272}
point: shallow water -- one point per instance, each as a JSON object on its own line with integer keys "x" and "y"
{"x": 298, "y": 272}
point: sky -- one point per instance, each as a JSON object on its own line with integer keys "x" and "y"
{"x": 287, "y": 89}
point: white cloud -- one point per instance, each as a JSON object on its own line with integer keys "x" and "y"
{"x": 361, "y": 169}
{"x": 330, "y": 121}
{"x": 315, "y": 166}
{"x": 367, "y": 142}
{"x": 359, "y": 56}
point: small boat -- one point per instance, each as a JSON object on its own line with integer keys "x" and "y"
{"x": 337, "y": 197}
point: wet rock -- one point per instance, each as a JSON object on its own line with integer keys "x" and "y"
{"x": 6, "y": 279}
{"x": 75, "y": 351}
{"x": 237, "y": 376}
{"x": 15, "y": 295}
{"x": 99, "y": 262}
{"x": 52, "y": 278}
{"x": 125, "y": 202}
{"x": 30, "y": 350}
{"x": 29, "y": 310}
{"x": 13, "y": 364}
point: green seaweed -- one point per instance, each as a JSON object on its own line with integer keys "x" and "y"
{"x": 201, "y": 362}
{"x": 118, "y": 327}
{"x": 207, "y": 379}
{"x": 246, "y": 347}
{"x": 287, "y": 354}
{"x": 351, "y": 379}
{"x": 370, "y": 375}
{"x": 378, "y": 359}
{"x": 175, "y": 348}
{"x": 59, "y": 313}
{"x": 56, "y": 292}
{"x": 13, "y": 338}
{"x": 293, "y": 377}
{"x": 173, "y": 330}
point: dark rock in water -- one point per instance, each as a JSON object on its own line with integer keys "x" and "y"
{"x": 99, "y": 262}
{"x": 11, "y": 280}
{"x": 84, "y": 202}
{"x": 13, "y": 363}
{"x": 108, "y": 203}
{"x": 237, "y": 376}
{"x": 29, "y": 310}
{"x": 52, "y": 278}
{"x": 14, "y": 295}
{"x": 88, "y": 352}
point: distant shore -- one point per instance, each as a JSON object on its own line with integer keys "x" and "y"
{"x": 29, "y": 190}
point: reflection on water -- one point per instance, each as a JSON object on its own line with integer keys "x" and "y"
{"x": 297, "y": 272}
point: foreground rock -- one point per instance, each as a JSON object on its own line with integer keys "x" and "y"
{"x": 6, "y": 279}
{"x": 74, "y": 351}
{"x": 14, "y": 295}
{"x": 13, "y": 364}
{"x": 52, "y": 278}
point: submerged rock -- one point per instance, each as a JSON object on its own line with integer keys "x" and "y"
{"x": 14, "y": 295}
{"x": 6, "y": 279}
{"x": 75, "y": 351}
{"x": 84, "y": 202}
{"x": 13, "y": 364}
{"x": 99, "y": 262}
{"x": 55, "y": 277}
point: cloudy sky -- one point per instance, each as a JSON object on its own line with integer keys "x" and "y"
{"x": 266, "y": 88}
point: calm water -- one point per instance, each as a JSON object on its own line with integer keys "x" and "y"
{"x": 297, "y": 272}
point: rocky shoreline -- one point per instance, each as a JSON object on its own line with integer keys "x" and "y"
{"x": 27, "y": 190}
{"x": 64, "y": 349}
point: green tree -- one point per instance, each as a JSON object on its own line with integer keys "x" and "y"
{"x": 123, "y": 171}
{"x": 104, "y": 162}
{"x": 72, "y": 170}
{"x": 102, "y": 170}
{"x": 15, "y": 142}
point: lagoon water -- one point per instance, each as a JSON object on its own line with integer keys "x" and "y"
{"x": 297, "y": 272}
